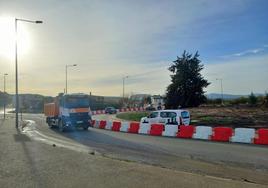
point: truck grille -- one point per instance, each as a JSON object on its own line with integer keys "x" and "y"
{"x": 79, "y": 116}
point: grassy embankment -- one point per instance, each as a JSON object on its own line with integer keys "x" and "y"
{"x": 132, "y": 116}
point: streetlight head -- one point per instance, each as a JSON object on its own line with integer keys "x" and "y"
{"x": 38, "y": 21}
{"x": 5, "y": 74}
{"x": 74, "y": 65}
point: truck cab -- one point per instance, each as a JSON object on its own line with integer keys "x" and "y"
{"x": 69, "y": 111}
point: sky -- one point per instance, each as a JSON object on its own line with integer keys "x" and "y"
{"x": 111, "y": 39}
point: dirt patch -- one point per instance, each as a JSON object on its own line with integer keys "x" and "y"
{"x": 230, "y": 116}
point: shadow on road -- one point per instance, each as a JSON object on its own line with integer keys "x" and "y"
{"x": 114, "y": 147}
{"x": 30, "y": 160}
{"x": 93, "y": 138}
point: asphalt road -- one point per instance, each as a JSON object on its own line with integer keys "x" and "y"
{"x": 239, "y": 162}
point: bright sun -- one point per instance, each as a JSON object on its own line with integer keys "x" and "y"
{"x": 7, "y": 38}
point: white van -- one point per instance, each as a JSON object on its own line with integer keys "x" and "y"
{"x": 179, "y": 117}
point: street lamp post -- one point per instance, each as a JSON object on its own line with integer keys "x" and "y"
{"x": 5, "y": 95}
{"x": 16, "y": 64}
{"x": 125, "y": 77}
{"x": 66, "y": 81}
{"x": 220, "y": 79}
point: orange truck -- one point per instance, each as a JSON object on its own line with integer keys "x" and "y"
{"x": 68, "y": 111}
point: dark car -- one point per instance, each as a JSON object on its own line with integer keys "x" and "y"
{"x": 150, "y": 108}
{"x": 110, "y": 110}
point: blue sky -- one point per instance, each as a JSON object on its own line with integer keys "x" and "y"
{"x": 110, "y": 39}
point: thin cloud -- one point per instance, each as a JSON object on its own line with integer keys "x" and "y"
{"x": 245, "y": 53}
{"x": 112, "y": 80}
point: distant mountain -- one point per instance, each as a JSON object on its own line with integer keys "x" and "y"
{"x": 227, "y": 96}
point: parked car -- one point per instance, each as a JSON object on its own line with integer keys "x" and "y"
{"x": 110, "y": 110}
{"x": 179, "y": 117}
{"x": 150, "y": 108}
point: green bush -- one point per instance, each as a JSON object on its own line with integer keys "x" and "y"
{"x": 213, "y": 101}
{"x": 241, "y": 100}
{"x": 265, "y": 100}
{"x": 252, "y": 99}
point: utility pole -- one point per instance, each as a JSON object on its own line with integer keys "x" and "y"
{"x": 66, "y": 80}
{"x": 16, "y": 64}
{"x": 125, "y": 77}
{"x": 5, "y": 96}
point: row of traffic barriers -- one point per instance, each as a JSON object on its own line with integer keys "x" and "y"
{"x": 220, "y": 134}
{"x": 97, "y": 112}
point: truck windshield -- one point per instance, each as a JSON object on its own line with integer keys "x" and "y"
{"x": 77, "y": 102}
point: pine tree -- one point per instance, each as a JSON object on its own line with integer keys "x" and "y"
{"x": 187, "y": 83}
{"x": 252, "y": 99}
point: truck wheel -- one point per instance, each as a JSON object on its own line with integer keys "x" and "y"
{"x": 61, "y": 129}
{"x": 85, "y": 128}
{"x": 50, "y": 126}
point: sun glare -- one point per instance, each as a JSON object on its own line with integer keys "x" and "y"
{"x": 7, "y": 38}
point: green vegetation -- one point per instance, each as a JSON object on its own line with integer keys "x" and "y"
{"x": 265, "y": 100}
{"x": 187, "y": 83}
{"x": 252, "y": 99}
{"x": 241, "y": 100}
{"x": 132, "y": 116}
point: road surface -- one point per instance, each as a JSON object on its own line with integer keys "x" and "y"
{"x": 230, "y": 162}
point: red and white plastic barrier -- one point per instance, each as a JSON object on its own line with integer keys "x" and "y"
{"x": 144, "y": 128}
{"x": 124, "y": 126}
{"x": 116, "y": 126}
{"x": 243, "y": 135}
{"x": 102, "y": 124}
{"x": 202, "y": 132}
{"x": 219, "y": 134}
{"x": 109, "y": 125}
{"x": 157, "y": 129}
{"x": 262, "y": 137}
{"x": 186, "y": 131}
{"x": 222, "y": 134}
{"x": 170, "y": 130}
{"x": 134, "y": 127}
{"x": 98, "y": 112}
